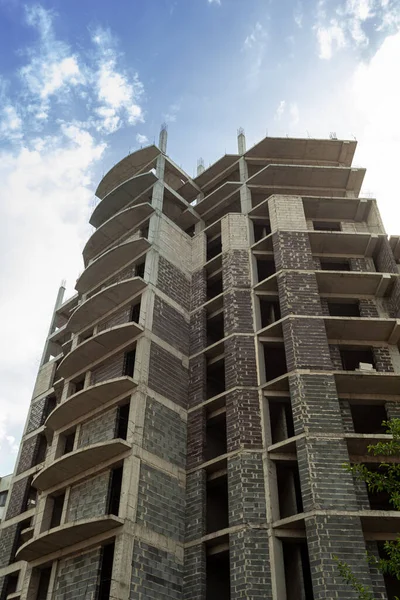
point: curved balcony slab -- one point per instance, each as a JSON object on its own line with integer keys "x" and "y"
{"x": 301, "y": 179}
{"x": 133, "y": 164}
{"x": 101, "y": 303}
{"x": 115, "y": 228}
{"x": 359, "y": 382}
{"x": 109, "y": 262}
{"x": 86, "y": 400}
{"x": 65, "y": 535}
{"x": 77, "y": 462}
{"x": 97, "y": 347}
{"x": 126, "y": 192}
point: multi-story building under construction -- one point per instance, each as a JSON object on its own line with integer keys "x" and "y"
{"x": 234, "y": 340}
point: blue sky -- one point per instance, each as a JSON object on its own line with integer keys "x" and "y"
{"x": 83, "y": 83}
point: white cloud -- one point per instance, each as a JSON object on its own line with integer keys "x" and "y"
{"x": 298, "y": 15}
{"x": 117, "y": 93}
{"x": 44, "y": 206}
{"x": 172, "y": 111}
{"x": 52, "y": 68}
{"x": 141, "y": 139}
{"x": 288, "y": 112}
{"x": 214, "y": 2}
{"x": 329, "y": 39}
{"x": 375, "y": 96}
{"x": 350, "y": 22}
{"x": 10, "y": 123}
{"x": 256, "y": 37}
{"x": 280, "y": 110}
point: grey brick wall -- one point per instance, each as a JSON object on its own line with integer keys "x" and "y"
{"x": 110, "y": 369}
{"x": 164, "y": 433}
{"x": 120, "y": 317}
{"x": 195, "y": 505}
{"x": 161, "y": 503}
{"x": 330, "y": 536}
{"x": 173, "y": 283}
{"x": 167, "y": 375}
{"x": 235, "y": 269}
{"x": 243, "y": 420}
{"x": 89, "y": 499}
{"x": 197, "y": 380}
{"x": 246, "y": 490}
{"x": 7, "y": 544}
{"x": 292, "y": 250}
{"x": 313, "y": 351}
{"x": 198, "y": 331}
{"x": 77, "y": 577}
{"x": 298, "y": 294}
{"x": 18, "y": 497}
{"x": 198, "y": 288}
{"x": 27, "y": 456}
{"x": 240, "y": 362}
{"x": 98, "y": 430}
{"x": 156, "y": 575}
{"x": 238, "y": 314}
{"x": 170, "y": 325}
{"x": 36, "y": 415}
{"x": 250, "y": 566}
{"x": 195, "y": 573}
{"x": 378, "y": 583}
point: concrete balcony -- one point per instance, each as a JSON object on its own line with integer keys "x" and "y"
{"x": 343, "y": 243}
{"x": 311, "y": 151}
{"x": 229, "y": 191}
{"x": 341, "y": 329}
{"x": 217, "y": 171}
{"x": 77, "y": 462}
{"x": 109, "y": 262}
{"x": 375, "y": 384}
{"x": 321, "y": 208}
{"x": 301, "y": 180}
{"x": 97, "y": 347}
{"x": 126, "y": 192}
{"x": 103, "y": 302}
{"x": 358, "y": 443}
{"x": 115, "y": 228}
{"x": 66, "y": 535}
{"x": 337, "y": 283}
{"x": 88, "y": 399}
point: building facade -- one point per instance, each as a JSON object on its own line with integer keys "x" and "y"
{"x": 234, "y": 340}
{"x": 5, "y": 483}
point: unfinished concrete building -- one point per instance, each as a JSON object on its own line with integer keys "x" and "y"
{"x": 233, "y": 341}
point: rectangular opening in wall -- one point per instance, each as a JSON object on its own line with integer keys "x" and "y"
{"x": 77, "y": 385}
{"x": 190, "y": 231}
{"x": 41, "y": 449}
{"x": 270, "y": 311}
{"x": 289, "y": 492}
{"x": 69, "y": 441}
{"x": 44, "y": 582}
{"x": 86, "y": 335}
{"x": 114, "y": 491}
{"x": 11, "y": 584}
{"x": 58, "y": 505}
{"x": 379, "y": 500}
{"x": 368, "y": 418}
{"x": 344, "y": 309}
{"x": 215, "y": 328}
{"x": 3, "y": 499}
{"x": 139, "y": 270}
{"x": 49, "y": 406}
{"x": 354, "y": 359}
{"x": 218, "y": 585}
{"x": 275, "y": 361}
{"x": 261, "y": 229}
{"x": 129, "y": 363}
{"x": 265, "y": 268}
{"x": 297, "y": 569}
{"x": 214, "y": 286}
{"x": 215, "y": 434}
{"x": 122, "y": 421}
{"x": 135, "y": 313}
{"x": 215, "y": 378}
{"x": 106, "y": 566}
{"x": 327, "y": 226}
{"x": 31, "y": 497}
{"x": 281, "y": 419}
{"x": 214, "y": 246}
{"x": 335, "y": 265}
{"x": 392, "y": 584}
{"x": 217, "y": 515}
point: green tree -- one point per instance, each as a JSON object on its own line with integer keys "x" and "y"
{"x": 385, "y": 479}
